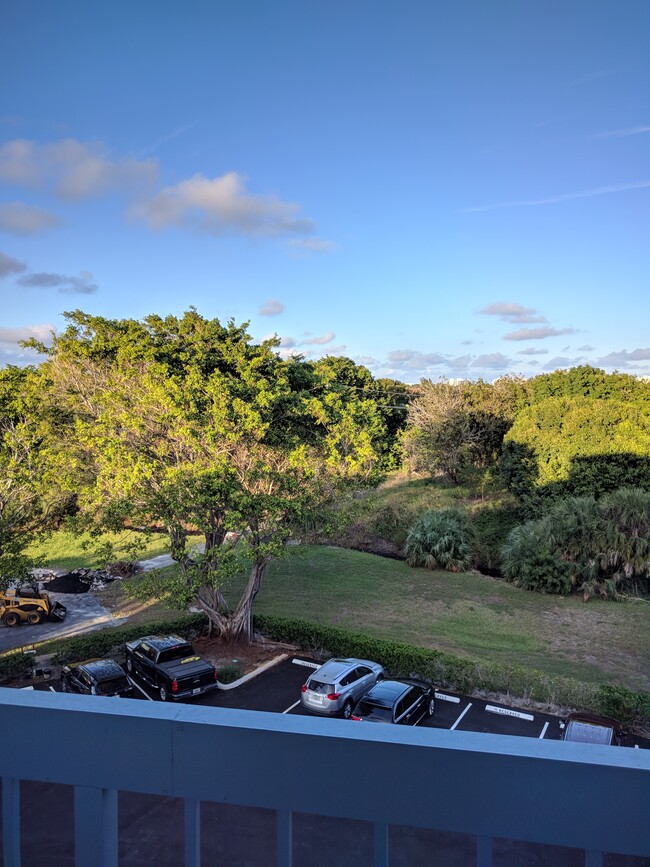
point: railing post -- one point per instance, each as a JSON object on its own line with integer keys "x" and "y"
{"x": 11, "y": 821}
{"x": 483, "y": 851}
{"x": 284, "y": 835}
{"x": 380, "y": 854}
{"x": 95, "y": 827}
{"x": 192, "y": 833}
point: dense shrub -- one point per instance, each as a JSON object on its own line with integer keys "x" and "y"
{"x": 492, "y": 526}
{"x": 442, "y": 539}
{"x": 15, "y": 664}
{"x": 594, "y": 546}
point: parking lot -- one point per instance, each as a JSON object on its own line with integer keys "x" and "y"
{"x": 277, "y": 690}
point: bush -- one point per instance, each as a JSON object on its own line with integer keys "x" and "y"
{"x": 529, "y": 561}
{"x": 442, "y": 539}
{"x": 230, "y": 672}
{"x": 15, "y": 664}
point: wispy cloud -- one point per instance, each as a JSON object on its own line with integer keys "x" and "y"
{"x": 81, "y": 285}
{"x": 320, "y": 340}
{"x": 537, "y": 333}
{"x": 531, "y": 350}
{"x": 622, "y": 133}
{"x": 508, "y": 312}
{"x": 492, "y": 361}
{"x": 313, "y": 245}
{"x": 21, "y": 219}
{"x": 564, "y": 197}
{"x": 167, "y": 137}
{"x": 221, "y": 206}
{"x": 73, "y": 170}
{"x": 272, "y": 307}
{"x": 9, "y": 265}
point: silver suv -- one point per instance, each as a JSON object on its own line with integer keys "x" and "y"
{"x": 336, "y": 686}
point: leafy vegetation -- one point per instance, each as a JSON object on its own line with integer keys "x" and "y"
{"x": 597, "y": 546}
{"x": 441, "y": 540}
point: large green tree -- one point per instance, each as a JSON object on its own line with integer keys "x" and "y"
{"x": 186, "y": 421}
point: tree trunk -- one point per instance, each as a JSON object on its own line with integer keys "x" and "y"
{"x": 238, "y": 626}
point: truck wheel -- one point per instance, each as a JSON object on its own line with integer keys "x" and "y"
{"x": 162, "y": 691}
{"x": 11, "y": 619}
{"x": 34, "y": 617}
{"x": 129, "y": 665}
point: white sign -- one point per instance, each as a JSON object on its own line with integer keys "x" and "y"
{"x": 444, "y": 697}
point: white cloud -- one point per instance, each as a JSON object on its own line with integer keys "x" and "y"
{"x": 272, "y": 307}
{"x": 320, "y": 341}
{"x": 537, "y": 333}
{"x": 585, "y": 348}
{"x": 12, "y": 353}
{"x": 81, "y": 285}
{"x": 21, "y": 219}
{"x": 560, "y": 362}
{"x": 221, "y": 206}
{"x": 411, "y": 359}
{"x": 532, "y": 351}
{"x": 9, "y": 265}
{"x": 492, "y": 361}
{"x": 624, "y": 358}
{"x": 509, "y": 312}
{"x": 288, "y": 342}
{"x": 563, "y": 197}
{"x": 72, "y": 169}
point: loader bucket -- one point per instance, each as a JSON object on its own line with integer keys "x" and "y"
{"x": 58, "y": 611}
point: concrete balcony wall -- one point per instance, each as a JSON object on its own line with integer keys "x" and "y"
{"x": 491, "y": 786}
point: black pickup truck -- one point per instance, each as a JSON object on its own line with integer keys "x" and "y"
{"x": 169, "y": 664}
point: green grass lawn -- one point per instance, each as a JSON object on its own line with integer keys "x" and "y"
{"x": 63, "y": 550}
{"x": 467, "y": 614}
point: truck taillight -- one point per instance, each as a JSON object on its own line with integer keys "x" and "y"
{"x": 174, "y": 686}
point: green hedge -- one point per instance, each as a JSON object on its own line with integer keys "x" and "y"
{"x": 460, "y": 674}
{"x": 15, "y": 664}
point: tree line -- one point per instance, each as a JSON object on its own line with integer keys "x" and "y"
{"x": 187, "y": 423}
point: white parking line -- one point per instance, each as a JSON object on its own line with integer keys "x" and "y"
{"x": 295, "y": 704}
{"x": 460, "y": 717}
{"x": 52, "y": 688}
{"x": 305, "y": 663}
{"x": 543, "y": 731}
{"x": 137, "y": 686}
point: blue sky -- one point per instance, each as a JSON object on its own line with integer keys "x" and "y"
{"x": 432, "y": 189}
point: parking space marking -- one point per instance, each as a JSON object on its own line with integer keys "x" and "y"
{"x": 137, "y": 686}
{"x": 506, "y": 711}
{"x": 52, "y": 688}
{"x": 460, "y": 717}
{"x": 444, "y": 697}
{"x": 544, "y": 730}
{"x": 305, "y": 663}
{"x": 295, "y": 704}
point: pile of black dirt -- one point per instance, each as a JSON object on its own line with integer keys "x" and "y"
{"x": 78, "y": 581}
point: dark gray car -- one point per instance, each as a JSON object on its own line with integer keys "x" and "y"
{"x": 336, "y": 686}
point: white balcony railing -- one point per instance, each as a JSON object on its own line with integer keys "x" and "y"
{"x": 491, "y": 786}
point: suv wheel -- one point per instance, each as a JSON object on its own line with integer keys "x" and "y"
{"x": 347, "y": 709}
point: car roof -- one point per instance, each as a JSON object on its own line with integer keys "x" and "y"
{"x": 100, "y": 669}
{"x": 335, "y": 668}
{"x": 387, "y": 692}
